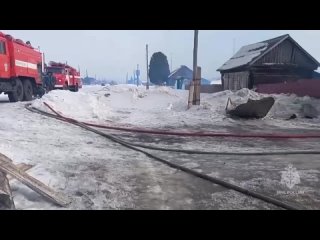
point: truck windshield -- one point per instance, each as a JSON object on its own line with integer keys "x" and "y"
{"x": 55, "y": 70}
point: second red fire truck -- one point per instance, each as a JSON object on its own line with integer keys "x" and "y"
{"x": 66, "y": 76}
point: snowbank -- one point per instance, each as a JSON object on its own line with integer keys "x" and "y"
{"x": 166, "y": 107}
{"x": 79, "y": 105}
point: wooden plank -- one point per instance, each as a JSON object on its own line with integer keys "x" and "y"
{"x": 22, "y": 167}
{"x": 34, "y": 184}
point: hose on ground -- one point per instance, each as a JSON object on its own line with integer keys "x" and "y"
{"x": 170, "y": 164}
{"x": 193, "y": 134}
{"x": 198, "y": 151}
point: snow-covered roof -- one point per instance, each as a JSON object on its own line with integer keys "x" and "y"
{"x": 244, "y": 56}
{"x": 249, "y": 54}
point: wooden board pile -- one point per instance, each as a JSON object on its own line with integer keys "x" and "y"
{"x": 9, "y": 171}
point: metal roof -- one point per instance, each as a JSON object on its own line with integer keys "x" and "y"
{"x": 182, "y": 71}
{"x": 249, "y": 54}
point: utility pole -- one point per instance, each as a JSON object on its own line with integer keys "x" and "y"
{"x": 127, "y": 79}
{"x": 191, "y": 99}
{"x": 147, "y": 55}
{"x": 138, "y": 75}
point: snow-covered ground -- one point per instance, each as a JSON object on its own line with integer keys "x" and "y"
{"x": 99, "y": 174}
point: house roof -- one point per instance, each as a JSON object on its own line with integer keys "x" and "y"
{"x": 249, "y": 54}
{"x": 186, "y": 73}
{"x": 182, "y": 71}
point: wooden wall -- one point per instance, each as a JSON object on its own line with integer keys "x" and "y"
{"x": 288, "y": 53}
{"x": 235, "y": 80}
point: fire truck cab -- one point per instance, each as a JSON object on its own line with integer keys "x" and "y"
{"x": 20, "y": 69}
{"x": 66, "y": 76}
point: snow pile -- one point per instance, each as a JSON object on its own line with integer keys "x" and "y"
{"x": 165, "y": 107}
{"x": 286, "y": 105}
{"x": 79, "y": 105}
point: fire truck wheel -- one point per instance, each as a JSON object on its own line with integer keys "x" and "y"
{"x": 28, "y": 90}
{"x": 16, "y": 95}
{"x": 76, "y": 88}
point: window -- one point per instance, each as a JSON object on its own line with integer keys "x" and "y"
{"x": 2, "y": 48}
{"x": 55, "y": 70}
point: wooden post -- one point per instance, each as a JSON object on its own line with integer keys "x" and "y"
{"x": 191, "y": 93}
{"x": 6, "y": 199}
{"x": 195, "y": 54}
{"x": 197, "y": 87}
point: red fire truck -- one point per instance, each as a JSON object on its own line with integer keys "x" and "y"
{"x": 66, "y": 76}
{"x": 20, "y": 69}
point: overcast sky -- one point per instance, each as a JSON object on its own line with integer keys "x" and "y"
{"x": 111, "y": 54}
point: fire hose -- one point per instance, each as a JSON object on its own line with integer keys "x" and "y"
{"x": 170, "y": 164}
{"x": 189, "y": 151}
{"x": 191, "y": 134}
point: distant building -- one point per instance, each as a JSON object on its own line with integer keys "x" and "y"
{"x": 182, "y": 76}
{"x": 276, "y": 60}
{"x": 88, "y": 81}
